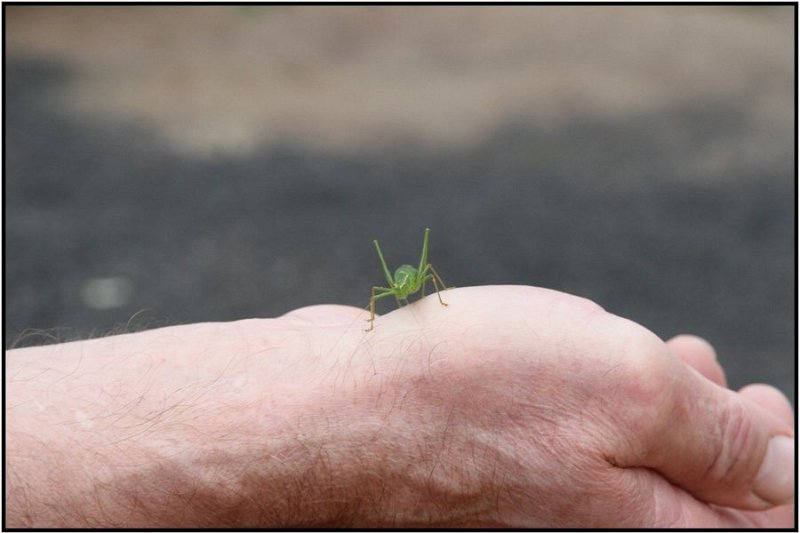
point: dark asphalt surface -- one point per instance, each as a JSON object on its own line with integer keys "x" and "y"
{"x": 593, "y": 209}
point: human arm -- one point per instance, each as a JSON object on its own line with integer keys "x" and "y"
{"x": 514, "y": 406}
{"x": 204, "y": 425}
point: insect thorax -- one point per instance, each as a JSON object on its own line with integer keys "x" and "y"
{"x": 404, "y": 274}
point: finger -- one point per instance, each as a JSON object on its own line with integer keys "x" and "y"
{"x": 770, "y": 399}
{"x": 720, "y": 446}
{"x": 325, "y": 315}
{"x": 700, "y": 355}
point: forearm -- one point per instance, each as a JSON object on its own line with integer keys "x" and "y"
{"x": 163, "y": 477}
{"x": 107, "y": 433}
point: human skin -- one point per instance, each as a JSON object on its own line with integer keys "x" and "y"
{"x": 513, "y": 406}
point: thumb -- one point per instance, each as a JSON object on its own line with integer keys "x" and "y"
{"x": 720, "y": 446}
{"x": 777, "y": 404}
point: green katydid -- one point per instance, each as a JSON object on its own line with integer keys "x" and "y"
{"x": 407, "y": 280}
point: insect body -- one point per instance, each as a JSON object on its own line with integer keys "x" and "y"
{"x": 406, "y": 281}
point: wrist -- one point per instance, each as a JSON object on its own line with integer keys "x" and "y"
{"x": 430, "y": 461}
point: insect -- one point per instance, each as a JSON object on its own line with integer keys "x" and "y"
{"x": 406, "y": 281}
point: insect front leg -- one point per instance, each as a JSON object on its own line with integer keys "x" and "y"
{"x": 434, "y": 278}
{"x": 375, "y": 297}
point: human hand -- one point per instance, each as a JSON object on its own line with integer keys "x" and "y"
{"x": 526, "y": 407}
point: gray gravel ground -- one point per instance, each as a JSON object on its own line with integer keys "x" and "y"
{"x": 679, "y": 215}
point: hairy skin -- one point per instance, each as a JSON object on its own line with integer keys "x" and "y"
{"x": 514, "y": 407}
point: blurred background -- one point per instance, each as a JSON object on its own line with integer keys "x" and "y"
{"x": 167, "y": 165}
